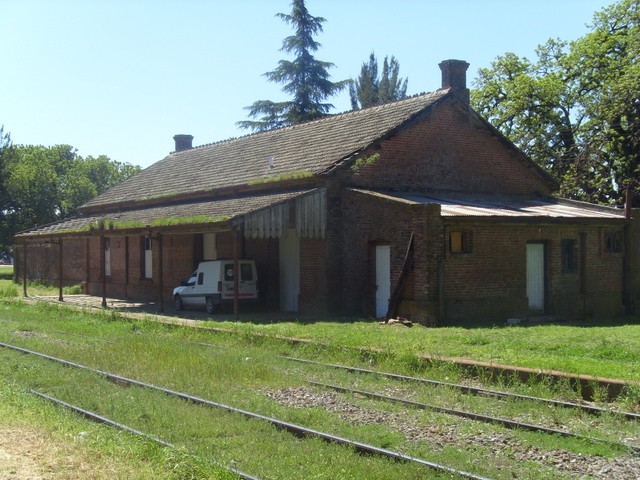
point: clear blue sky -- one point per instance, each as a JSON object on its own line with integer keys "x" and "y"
{"x": 121, "y": 77}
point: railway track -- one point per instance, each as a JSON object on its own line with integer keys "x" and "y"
{"x": 95, "y": 417}
{"x": 292, "y": 428}
{"x": 477, "y": 390}
{"x": 511, "y": 424}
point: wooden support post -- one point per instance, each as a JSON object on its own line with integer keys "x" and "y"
{"x": 60, "y": 270}
{"x": 404, "y": 273}
{"x": 626, "y": 259}
{"x": 104, "y": 272}
{"x": 161, "y": 273}
{"x": 236, "y": 274}
{"x": 126, "y": 267}
{"x": 24, "y": 269}
{"x": 583, "y": 272}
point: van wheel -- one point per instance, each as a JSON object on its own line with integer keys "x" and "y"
{"x": 210, "y": 305}
{"x": 177, "y": 301}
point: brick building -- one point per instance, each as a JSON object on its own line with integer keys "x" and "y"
{"x": 417, "y": 208}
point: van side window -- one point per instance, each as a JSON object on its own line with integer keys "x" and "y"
{"x": 246, "y": 272}
{"x": 228, "y": 272}
{"x": 200, "y": 278}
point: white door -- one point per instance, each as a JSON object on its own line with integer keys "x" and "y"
{"x": 383, "y": 279}
{"x": 209, "y": 249}
{"x": 148, "y": 257}
{"x": 289, "y": 271}
{"x": 535, "y": 276}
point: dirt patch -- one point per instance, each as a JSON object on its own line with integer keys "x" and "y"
{"x": 29, "y": 454}
{"x": 19, "y": 452}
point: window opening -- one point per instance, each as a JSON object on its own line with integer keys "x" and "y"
{"x": 228, "y": 272}
{"x": 460, "y": 242}
{"x": 568, "y": 254}
{"x": 246, "y": 272}
{"x": 613, "y": 242}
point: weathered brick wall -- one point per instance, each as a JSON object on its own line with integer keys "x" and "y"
{"x": 371, "y": 221}
{"x": 632, "y": 250}
{"x": 490, "y": 282}
{"x": 43, "y": 266}
{"x": 313, "y": 277}
{"x": 448, "y": 151}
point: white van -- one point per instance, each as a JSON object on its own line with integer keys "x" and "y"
{"x": 212, "y": 283}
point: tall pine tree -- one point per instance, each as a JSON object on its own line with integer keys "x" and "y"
{"x": 370, "y": 90}
{"x": 305, "y": 78}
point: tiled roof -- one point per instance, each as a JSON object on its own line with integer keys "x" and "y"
{"x": 305, "y": 149}
{"x": 222, "y": 210}
{"x": 506, "y": 206}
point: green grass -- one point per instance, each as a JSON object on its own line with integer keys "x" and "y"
{"x": 604, "y": 349}
{"x": 9, "y": 289}
{"x": 245, "y": 369}
{"x": 70, "y": 447}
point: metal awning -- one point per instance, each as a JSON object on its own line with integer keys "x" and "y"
{"x": 503, "y": 206}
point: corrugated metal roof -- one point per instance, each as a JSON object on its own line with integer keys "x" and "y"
{"x": 506, "y": 206}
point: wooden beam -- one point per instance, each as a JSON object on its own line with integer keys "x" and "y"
{"x": 60, "y": 270}
{"x": 126, "y": 267}
{"x": 24, "y": 269}
{"x": 104, "y": 272}
{"x": 397, "y": 291}
{"x": 161, "y": 273}
{"x": 236, "y": 274}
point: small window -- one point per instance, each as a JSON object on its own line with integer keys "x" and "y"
{"x": 613, "y": 241}
{"x": 460, "y": 242}
{"x": 228, "y": 272}
{"x": 200, "y": 278}
{"x": 568, "y": 254}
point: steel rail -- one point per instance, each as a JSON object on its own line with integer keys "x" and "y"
{"x": 112, "y": 423}
{"x": 297, "y": 430}
{"x": 477, "y": 390}
{"x": 505, "y": 422}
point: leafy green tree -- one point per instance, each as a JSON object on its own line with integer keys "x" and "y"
{"x": 575, "y": 109}
{"x": 607, "y": 69}
{"x": 47, "y": 184}
{"x": 305, "y": 78}
{"x": 370, "y": 89}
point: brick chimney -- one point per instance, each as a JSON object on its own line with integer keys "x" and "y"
{"x": 183, "y": 142}
{"x": 454, "y": 76}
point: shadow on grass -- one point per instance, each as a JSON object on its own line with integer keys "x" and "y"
{"x": 6, "y": 273}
